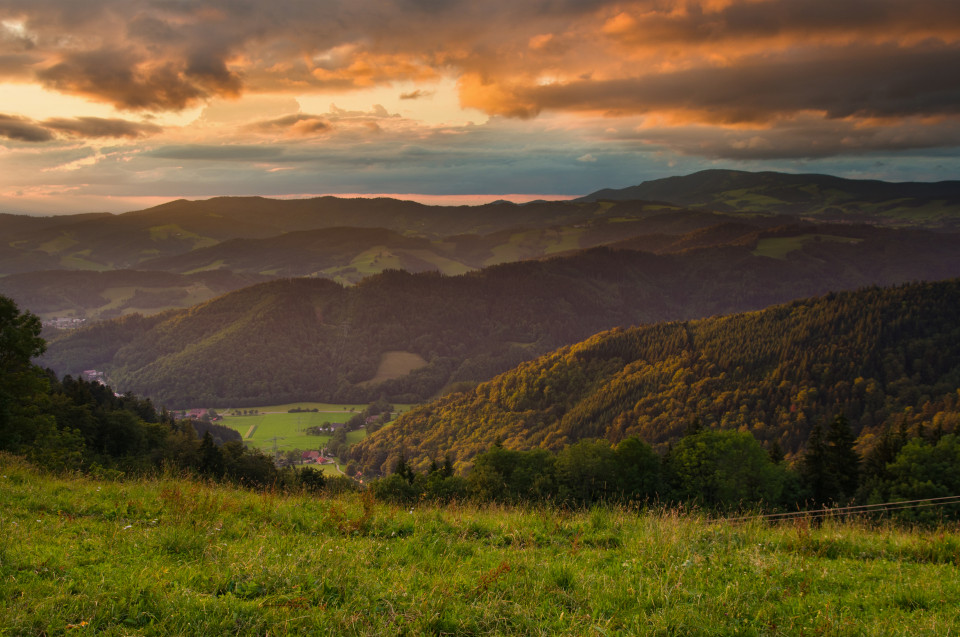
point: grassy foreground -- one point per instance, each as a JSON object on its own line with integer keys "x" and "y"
{"x": 172, "y": 557}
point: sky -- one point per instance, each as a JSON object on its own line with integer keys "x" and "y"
{"x": 114, "y": 105}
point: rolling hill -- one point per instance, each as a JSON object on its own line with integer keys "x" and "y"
{"x": 102, "y": 295}
{"x": 315, "y": 339}
{"x": 104, "y": 242}
{"x": 349, "y": 254}
{"x": 885, "y": 358}
{"x": 932, "y": 205}
{"x": 460, "y": 236}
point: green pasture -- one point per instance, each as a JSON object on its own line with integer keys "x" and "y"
{"x": 745, "y": 199}
{"x": 374, "y": 260}
{"x": 171, "y": 231}
{"x": 58, "y": 244}
{"x": 566, "y": 239}
{"x": 289, "y": 429}
{"x": 168, "y": 556}
{"x": 780, "y": 247}
{"x": 534, "y": 243}
{"x": 446, "y": 266}
{"x": 78, "y": 261}
{"x": 213, "y": 265}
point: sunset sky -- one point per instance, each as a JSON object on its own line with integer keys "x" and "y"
{"x": 120, "y": 104}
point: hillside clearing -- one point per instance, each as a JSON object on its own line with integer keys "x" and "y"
{"x": 395, "y": 364}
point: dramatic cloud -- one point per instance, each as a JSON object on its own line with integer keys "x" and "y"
{"x": 839, "y": 83}
{"x": 804, "y": 137}
{"x": 118, "y": 76}
{"x": 653, "y": 82}
{"x": 514, "y": 59}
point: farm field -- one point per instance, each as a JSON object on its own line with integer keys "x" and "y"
{"x": 275, "y": 422}
{"x": 173, "y": 557}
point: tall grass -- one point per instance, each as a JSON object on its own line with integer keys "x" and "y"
{"x": 168, "y": 556}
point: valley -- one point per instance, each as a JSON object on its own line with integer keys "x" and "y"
{"x": 392, "y": 317}
{"x": 609, "y": 376}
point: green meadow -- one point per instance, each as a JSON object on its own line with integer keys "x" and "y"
{"x": 169, "y": 556}
{"x": 780, "y": 247}
{"x": 274, "y": 425}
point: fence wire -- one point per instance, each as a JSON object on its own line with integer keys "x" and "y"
{"x": 881, "y": 507}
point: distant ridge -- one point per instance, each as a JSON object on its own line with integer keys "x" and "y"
{"x": 825, "y": 196}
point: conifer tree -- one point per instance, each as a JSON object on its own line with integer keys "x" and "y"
{"x": 403, "y": 468}
{"x": 211, "y": 458}
{"x": 830, "y": 465}
{"x": 815, "y": 468}
{"x": 843, "y": 457}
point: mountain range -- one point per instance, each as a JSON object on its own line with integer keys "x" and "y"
{"x": 313, "y": 338}
{"x": 348, "y": 239}
{"x": 405, "y": 301}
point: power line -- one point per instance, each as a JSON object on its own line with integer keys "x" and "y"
{"x": 853, "y": 510}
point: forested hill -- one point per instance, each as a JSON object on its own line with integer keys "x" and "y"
{"x": 822, "y": 196}
{"x": 882, "y": 357}
{"x": 407, "y": 336}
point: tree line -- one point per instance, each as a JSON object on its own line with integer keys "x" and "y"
{"x": 709, "y": 469}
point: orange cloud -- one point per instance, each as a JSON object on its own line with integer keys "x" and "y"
{"x": 298, "y": 125}
{"x": 725, "y": 63}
